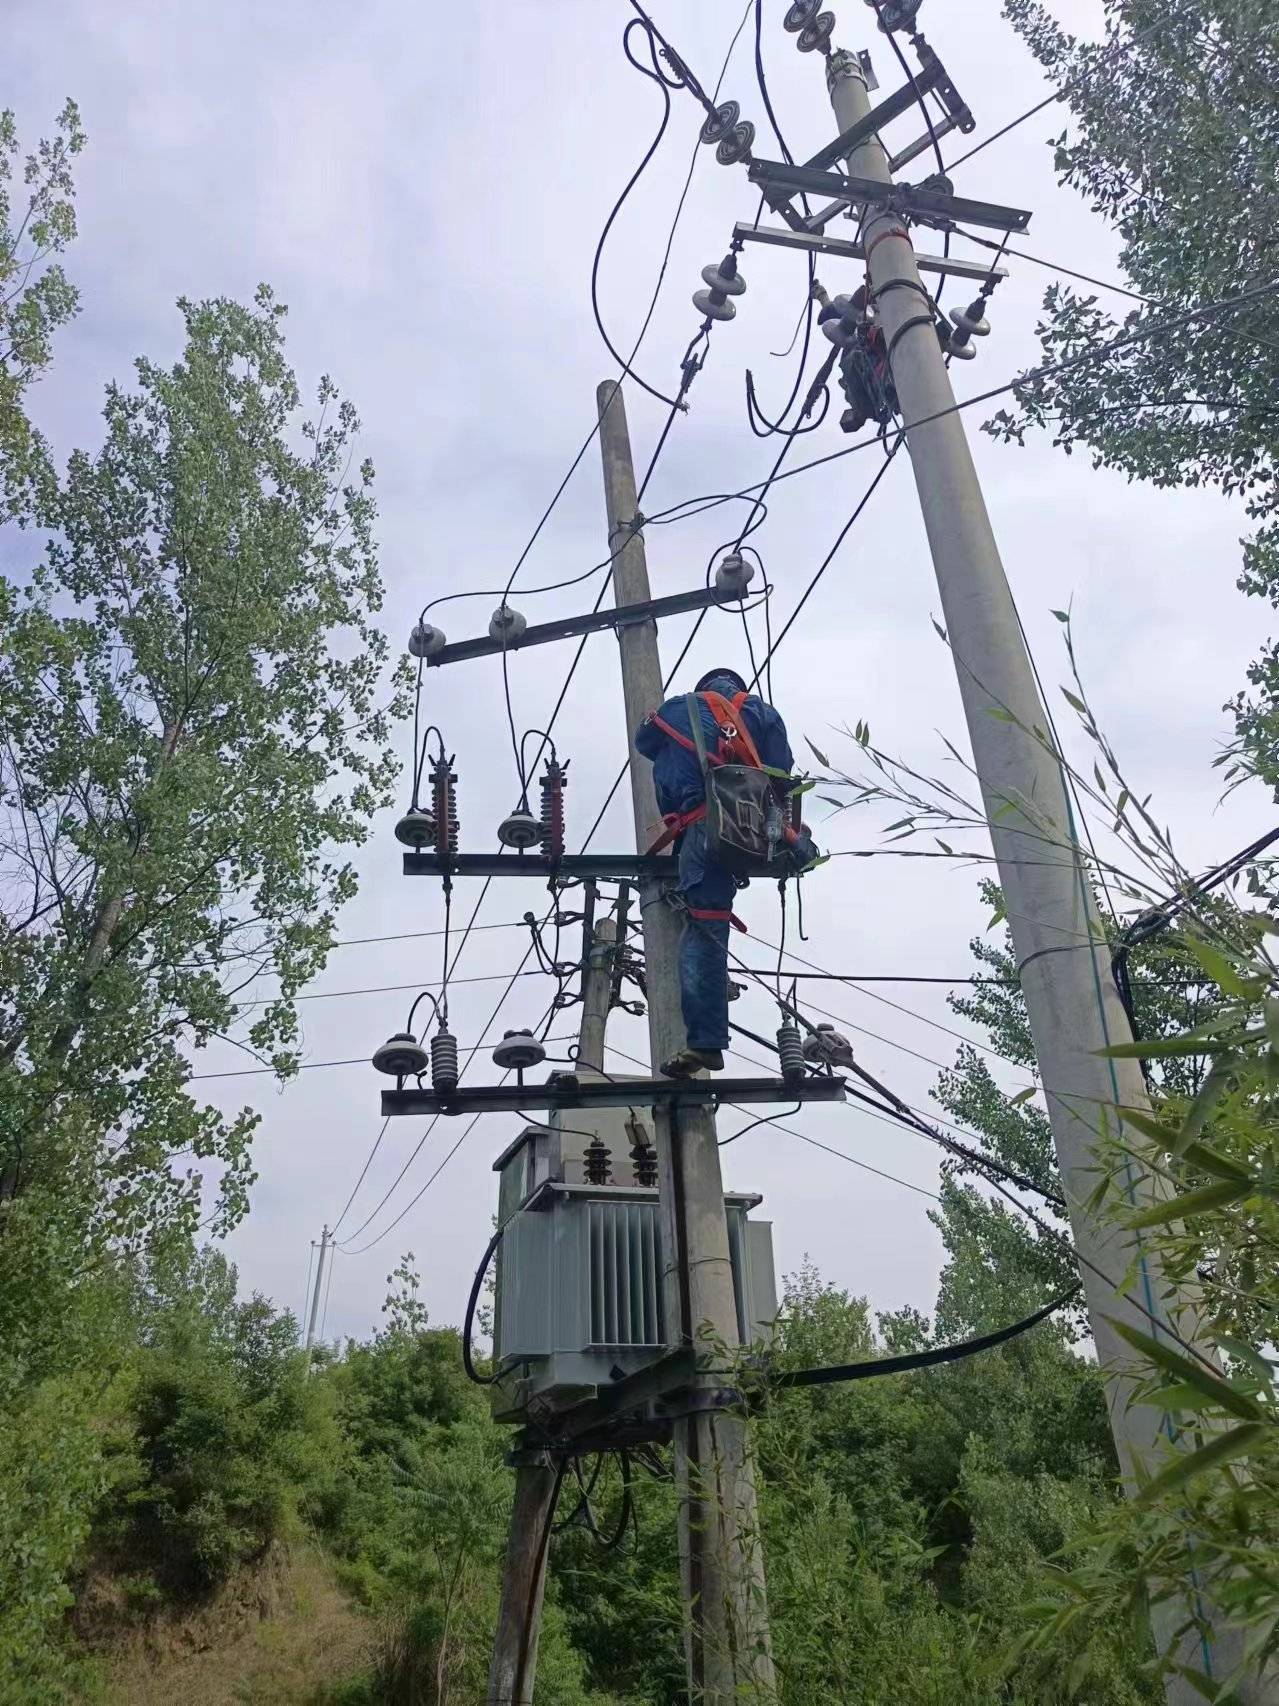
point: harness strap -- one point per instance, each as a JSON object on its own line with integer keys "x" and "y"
{"x": 717, "y": 915}
{"x": 679, "y": 737}
{"x": 735, "y": 737}
{"x": 675, "y": 824}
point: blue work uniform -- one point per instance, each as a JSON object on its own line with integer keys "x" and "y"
{"x": 677, "y": 778}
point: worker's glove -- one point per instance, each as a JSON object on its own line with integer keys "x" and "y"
{"x": 804, "y": 852}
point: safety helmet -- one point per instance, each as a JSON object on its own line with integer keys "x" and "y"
{"x": 721, "y": 675}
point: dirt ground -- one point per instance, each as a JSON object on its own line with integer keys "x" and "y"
{"x": 285, "y": 1642}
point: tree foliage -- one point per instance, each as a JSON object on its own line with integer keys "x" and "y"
{"x": 1175, "y": 143}
{"x": 36, "y": 297}
{"x": 192, "y": 729}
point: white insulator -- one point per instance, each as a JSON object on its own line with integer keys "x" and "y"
{"x": 416, "y": 828}
{"x": 518, "y": 1051}
{"x": 506, "y": 624}
{"x": 400, "y": 1056}
{"x": 734, "y": 575}
{"x": 426, "y": 640}
{"x": 976, "y": 325}
{"x": 705, "y": 303}
{"x": 519, "y": 829}
{"x": 732, "y": 284}
{"x": 961, "y": 352}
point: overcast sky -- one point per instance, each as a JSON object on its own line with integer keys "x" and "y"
{"x": 424, "y": 186}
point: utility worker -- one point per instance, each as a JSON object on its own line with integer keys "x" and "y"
{"x": 737, "y": 727}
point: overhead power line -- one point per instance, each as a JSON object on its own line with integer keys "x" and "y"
{"x": 1149, "y": 329}
{"x": 1117, "y": 49}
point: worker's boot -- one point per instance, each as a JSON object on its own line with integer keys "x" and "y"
{"x": 690, "y": 1061}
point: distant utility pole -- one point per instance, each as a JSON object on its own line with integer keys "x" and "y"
{"x": 727, "y": 1643}
{"x": 1070, "y": 996}
{"x": 315, "y": 1295}
{"x": 519, "y": 1618}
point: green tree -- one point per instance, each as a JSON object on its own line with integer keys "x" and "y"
{"x": 193, "y": 725}
{"x": 1175, "y": 142}
{"x": 36, "y": 297}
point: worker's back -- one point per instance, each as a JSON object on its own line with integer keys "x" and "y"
{"x": 677, "y": 777}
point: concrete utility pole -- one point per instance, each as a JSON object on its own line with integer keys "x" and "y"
{"x": 519, "y": 1619}
{"x": 315, "y": 1296}
{"x": 727, "y": 1640}
{"x": 1070, "y": 996}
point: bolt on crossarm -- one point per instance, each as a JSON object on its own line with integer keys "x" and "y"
{"x": 1071, "y": 1001}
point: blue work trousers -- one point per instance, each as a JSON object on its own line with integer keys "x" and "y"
{"x": 703, "y": 953}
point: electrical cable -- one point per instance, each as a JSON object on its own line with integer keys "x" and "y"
{"x": 473, "y": 1297}
{"x": 838, "y": 1372}
{"x": 363, "y": 1170}
{"x": 764, "y": 1119}
{"x": 1048, "y": 370}
{"x": 654, "y": 75}
{"x": 1158, "y": 918}
{"x": 830, "y": 555}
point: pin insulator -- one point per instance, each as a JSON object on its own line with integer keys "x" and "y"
{"x": 416, "y": 828}
{"x": 506, "y": 624}
{"x": 734, "y": 574}
{"x": 518, "y": 1051}
{"x": 519, "y": 829}
{"x": 400, "y": 1056}
{"x": 426, "y": 640}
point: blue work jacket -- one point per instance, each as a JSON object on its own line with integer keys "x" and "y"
{"x": 676, "y": 775}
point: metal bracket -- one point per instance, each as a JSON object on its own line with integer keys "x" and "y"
{"x": 609, "y": 867}
{"x": 566, "y": 1091}
{"x": 620, "y": 616}
{"x": 912, "y": 201}
{"x": 815, "y": 243}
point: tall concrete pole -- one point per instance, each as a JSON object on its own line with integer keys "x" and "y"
{"x": 1070, "y": 996}
{"x": 519, "y": 1620}
{"x": 315, "y": 1296}
{"x": 727, "y": 1639}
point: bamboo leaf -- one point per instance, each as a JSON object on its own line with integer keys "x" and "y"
{"x": 1209, "y": 1094}
{"x": 1220, "y": 1392}
{"x": 1222, "y": 1449}
{"x": 1149, "y": 1047}
{"x": 1242, "y": 1352}
{"x": 818, "y": 754}
{"x": 1173, "y": 1398}
{"x": 1187, "y": 1204}
{"x": 1072, "y": 700}
{"x": 1021, "y": 1096}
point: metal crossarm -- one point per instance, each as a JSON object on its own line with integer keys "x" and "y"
{"x": 568, "y": 1092}
{"x": 816, "y": 243}
{"x": 911, "y": 200}
{"x": 609, "y": 867}
{"x": 567, "y": 627}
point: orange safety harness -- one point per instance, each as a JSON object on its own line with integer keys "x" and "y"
{"x": 734, "y": 746}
